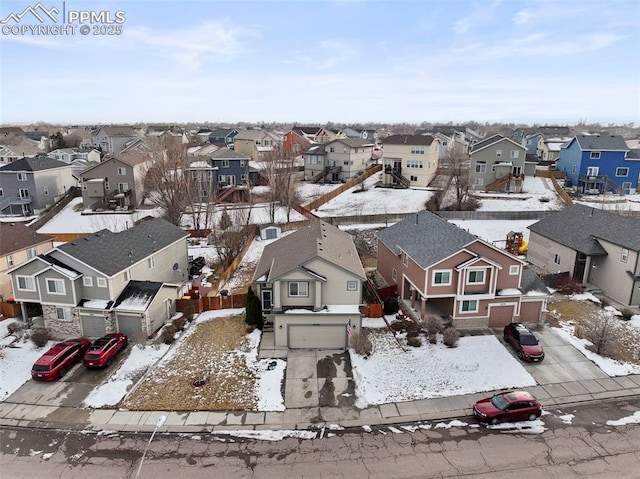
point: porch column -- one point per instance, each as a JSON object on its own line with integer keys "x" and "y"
{"x": 423, "y": 308}
{"x": 317, "y": 303}
{"x": 413, "y": 299}
{"x": 25, "y": 318}
{"x": 276, "y": 303}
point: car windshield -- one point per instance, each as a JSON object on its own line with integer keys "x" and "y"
{"x": 528, "y": 340}
{"x": 499, "y": 401}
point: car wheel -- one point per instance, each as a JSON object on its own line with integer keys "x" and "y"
{"x": 126, "y": 343}
{"x": 109, "y": 362}
{"x": 520, "y": 354}
{"x": 63, "y": 371}
{"x": 533, "y": 417}
{"x": 494, "y": 421}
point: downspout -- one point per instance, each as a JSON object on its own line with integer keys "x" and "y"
{"x": 633, "y": 281}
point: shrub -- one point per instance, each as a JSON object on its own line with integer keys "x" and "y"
{"x": 604, "y": 302}
{"x": 254, "y": 310}
{"x": 397, "y": 325}
{"x": 432, "y": 204}
{"x": 179, "y": 323}
{"x": 414, "y": 341}
{"x": 433, "y": 338}
{"x": 626, "y": 314}
{"x": 411, "y": 326}
{"x": 604, "y": 333}
{"x": 168, "y": 334}
{"x": 433, "y": 324}
{"x": 361, "y": 343}
{"x": 390, "y": 305}
{"x": 568, "y": 285}
{"x": 15, "y": 327}
{"x": 413, "y": 334}
{"x": 40, "y": 337}
{"x": 450, "y": 337}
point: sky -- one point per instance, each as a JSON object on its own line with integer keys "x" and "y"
{"x": 312, "y": 61}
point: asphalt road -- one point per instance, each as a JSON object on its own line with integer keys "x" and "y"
{"x": 576, "y": 443}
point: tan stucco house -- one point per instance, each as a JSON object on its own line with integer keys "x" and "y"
{"x": 310, "y": 285}
{"x": 409, "y": 160}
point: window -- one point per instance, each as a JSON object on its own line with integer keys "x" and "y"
{"x": 556, "y": 258}
{"x": 22, "y": 177}
{"x": 87, "y": 281}
{"x": 332, "y": 150}
{"x": 413, "y": 178}
{"x": 441, "y": 278}
{"x": 394, "y": 274}
{"x": 31, "y": 252}
{"x": 241, "y": 162}
{"x": 594, "y": 155}
{"x": 573, "y": 170}
{"x": 243, "y": 177}
{"x": 122, "y": 171}
{"x": 26, "y": 283}
{"x": 417, "y": 150}
{"x": 106, "y": 184}
{"x": 415, "y": 164}
{"x": 299, "y": 289}
{"x": 46, "y": 191}
{"x": 101, "y": 282}
{"x": 55, "y": 286}
{"x": 481, "y": 167}
{"x": 9, "y": 261}
{"x": 515, "y": 154}
{"x": 625, "y": 255}
{"x": 405, "y": 259}
{"x": 1, "y": 192}
{"x": 498, "y": 153}
{"x": 352, "y": 286}
{"x": 475, "y": 276}
{"x": 123, "y": 187}
{"x": 469, "y": 306}
{"x": 151, "y": 262}
{"x": 63, "y": 314}
{"x": 593, "y": 171}
{"x": 225, "y": 163}
{"x": 514, "y": 269}
{"x": 479, "y": 182}
{"x": 622, "y": 171}
{"x": 626, "y": 185}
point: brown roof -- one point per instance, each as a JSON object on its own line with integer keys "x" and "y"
{"x": 17, "y": 237}
{"x": 133, "y": 158}
{"x": 408, "y": 140}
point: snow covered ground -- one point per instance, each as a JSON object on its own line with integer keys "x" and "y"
{"x": 495, "y": 231}
{"x": 538, "y": 195}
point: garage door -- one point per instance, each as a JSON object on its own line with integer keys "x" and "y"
{"x": 530, "y": 311}
{"x": 329, "y": 336}
{"x": 129, "y": 325}
{"x": 500, "y": 316}
{"x": 93, "y": 326}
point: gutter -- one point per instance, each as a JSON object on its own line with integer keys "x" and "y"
{"x": 634, "y": 280}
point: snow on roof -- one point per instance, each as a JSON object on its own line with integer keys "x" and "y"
{"x": 95, "y": 180}
{"x": 67, "y": 272}
{"x": 96, "y": 304}
{"x": 200, "y": 164}
{"x": 331, "y": 309}
{"x": 138, "y": 302}
{"x": 509, "y": 292}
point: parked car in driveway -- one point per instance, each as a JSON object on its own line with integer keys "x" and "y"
{"x": 58, "y": 360}
{"x": 524, "y": 342}
{"x": 102, "y": 351}
{"x": 507, "y": 406}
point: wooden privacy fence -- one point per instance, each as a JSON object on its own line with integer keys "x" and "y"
{"x": 553, "y": 175}
{"x": 349, "y": 184}
{"x": 211, "y": 303}
{"x": 10, "y": 310}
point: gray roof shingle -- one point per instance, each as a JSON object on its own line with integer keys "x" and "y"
{"x": 38, "y": 163}
{"x": 601, "y": 142}
{"x": 408, "y": 140}
{"x": 111, "y": 253}
{"x": 425, "y": 237}
{"x": 579, "y": 227}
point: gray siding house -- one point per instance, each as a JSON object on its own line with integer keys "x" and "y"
{"x": 310, "y": 284}
{"x": 498, "y": 164}
{"x": 30, "y": 185}
{"x": 112, "y": 139}
{"x": 106, "y": 282}
{"x": 594, "y": 246}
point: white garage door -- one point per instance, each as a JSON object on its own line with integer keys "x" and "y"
{"x": 324, "y": 336}
{"x": 93, "y": 326}
{"x": 129, "y": 325}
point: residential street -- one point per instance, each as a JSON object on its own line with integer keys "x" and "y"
{"x": 577, "y": 442}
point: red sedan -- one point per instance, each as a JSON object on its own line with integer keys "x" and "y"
{"x": 508, "y": 406}
{"x": 58, "y": 360}
{"x": 101, "y": 353}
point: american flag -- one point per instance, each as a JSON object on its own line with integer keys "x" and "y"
{"x": 349, "y": 330}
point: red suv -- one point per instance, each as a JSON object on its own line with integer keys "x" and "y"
{"x": 102, "y": 351}
{"x": 524, "y": 342}
{"x": 508, "y": 406}
{"x": 59, "y": 359}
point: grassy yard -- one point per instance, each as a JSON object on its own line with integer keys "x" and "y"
{"x": 215, "y": 349}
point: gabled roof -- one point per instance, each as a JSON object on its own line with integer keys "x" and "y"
{"x": 38, "y": 163}
{"x": 425, "y": 237}
{"x": 226, "y": 154}
{"x": 492, "y": 140}
{"x": 600, "y": 142}
{"x": 531, "y": 282}
{"x": 408, "y": 140}
{"x": 307, "y": 130}
{"x": 24, "y": 148}
{"x": 351, "y": 142}
{"x": 318, "y": 240}
{"x": 18, "y": 237}
{"x": 111, "y": 253}
{"x": 222, "y": 132}
{"x": 117, "y": 130}
{"x": 250, "y": 135}
{"x": 579, "y": 227}
{"x": 317, "y": 149}
{"x": 137, "y": 296}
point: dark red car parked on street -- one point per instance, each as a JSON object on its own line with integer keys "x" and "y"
{"x": 508, "y": 406}
{"x": 524, "y": 342}
{"x": 102, "y": 351}
{"x": 56, "y": 362}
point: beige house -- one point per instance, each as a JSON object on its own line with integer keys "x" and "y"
{"x": 337, "y": 160}
{"x": 549, "y": 148}
{"x": 255, "y": 144}
{"x": 409, "y": 160}
{"x": 19, "y": 244}
{"x": 310, "y": 285}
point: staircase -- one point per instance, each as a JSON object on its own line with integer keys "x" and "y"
{"x": 396, "y": 174}
{"x": 328, "y": 170}
{"x": 612, "y": 186}
{"x": 500, "y": 182}
{"x": 227, "y": 193}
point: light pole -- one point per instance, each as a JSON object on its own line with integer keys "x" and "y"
{"x": 159, "y": 422}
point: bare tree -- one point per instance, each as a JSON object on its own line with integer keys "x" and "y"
{"x": 230, "y": 241}
{"x": 278, "y": 166}
{"x": 458, "y": 166}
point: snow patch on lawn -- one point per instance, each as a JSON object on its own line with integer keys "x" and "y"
{"x": 15, "y": 364}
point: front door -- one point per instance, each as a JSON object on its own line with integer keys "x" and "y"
{"x": 578, "y": 270}
{"x": 266, "y": 300}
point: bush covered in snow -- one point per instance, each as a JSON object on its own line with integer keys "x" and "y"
{"x": 450, "y": 337}
{"x": 40, "y": 337}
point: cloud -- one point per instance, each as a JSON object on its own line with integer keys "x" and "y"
{"x": 523, "y": 17}
{"x": 333, "y": 53}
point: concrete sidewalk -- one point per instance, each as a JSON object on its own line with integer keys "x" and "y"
{"x": 550, "y": 395}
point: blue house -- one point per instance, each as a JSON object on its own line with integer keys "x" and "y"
{"x": 223, "y": 136}
{"x": 601, "y": 162}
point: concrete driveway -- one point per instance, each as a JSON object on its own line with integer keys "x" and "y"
{"x": 318, "y": 378}
{"x": 562, "y": 362}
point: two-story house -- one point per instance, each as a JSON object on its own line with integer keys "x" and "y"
{"x": 499, "y": 164}
{"x": 337, "y": 160}
{"x": 112, "y": 139}
{"x": 548, "y": 150}
{"x": 25, "y": 148}
{"x": 409, "y": 160}
{"x": 68, "y": 155}
{"x": 255, "y": 144}
{"x": 30, "y": 185}
{"x": 601, "y": 162}
{"x": 117, "y": 183}
{"x": 592, "y": 245}
{"x": 299, "y": 138}
{"x": 364, "y": 133}
{"x": 107, "y": 282}
{"x": 310, "y": 284}
{"x": 18, "y": 244}
{"x": 222, "y": 137}
{"x": 441, "y": 269}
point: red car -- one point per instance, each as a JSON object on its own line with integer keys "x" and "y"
{"x": 507, "y": 406}
{"x": 102, "y": 351}
{"x": 56, "y": 362}
{"x": 524, "y": 342}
